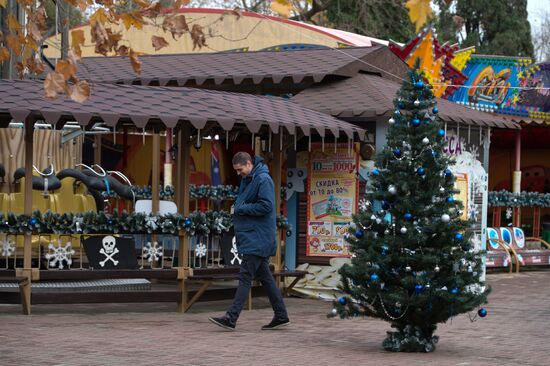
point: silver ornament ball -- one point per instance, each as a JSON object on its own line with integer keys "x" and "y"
{"x": 403, "y": 230}
{"x": 334, "y": 312}
{"x": 408, "y": 268}
{"x": 416, "y": 103}
{"x": 391, "y": 121}
{"x": 436, "y": 269}
{"x": 441, "y": 189}
{"x": 445, "y": 218}
{"x": 392, "y": 189}
{"x": 425, "y": 141}
{"x": 386, "y": 232}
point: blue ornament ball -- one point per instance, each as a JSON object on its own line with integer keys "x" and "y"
{"x": 373, "y": 277}
{"x": 482, "y": 312}
{"x": 441, "y": 132}
{"x": 110, "y": 222}
{"x": 419, "y": 84}
{"x": 376, "y": 172}
{"x": 448, "y": 173}
{"x": 418, "y": 288}
{"x": 358, "y": 234}
{"x": 408, "y": 216}
{"x": 421, "y": 171}
{"x": 397, "y": 151}
{"x": 385, "y": 205}
{"x": 32, "y": 221}
{"x": 450, "y": 199}
{"x": 397, "y": 112}
{"x": 342, "y": 300}
{"x": 458, "y": 236}
{"x": 416, "y": 122}
{"x": 454, "y": 291}
{"x": 435, "y": 110}
{"x": 187, "y": 222}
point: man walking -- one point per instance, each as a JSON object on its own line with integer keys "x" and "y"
{"x": 254, "y": 221}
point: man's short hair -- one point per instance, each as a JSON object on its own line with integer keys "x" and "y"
{"x": 241, "y": 158}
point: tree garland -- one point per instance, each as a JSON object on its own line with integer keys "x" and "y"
{"x": 523, "y": 199}
{"x": 197, "y": 223}
{"x": 221, "y": 192}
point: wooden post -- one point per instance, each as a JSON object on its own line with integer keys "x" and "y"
{"x": 497, "y": 214}
{"x": 155, "y": 175}
{"x": 97, "y": 149}
{"x": 536, "y": 222}
{"x": 184, "y": 152}
{"x": 516, "y": 217}
{"x": 277, "y": 173}
{"x": 27, "y": 248}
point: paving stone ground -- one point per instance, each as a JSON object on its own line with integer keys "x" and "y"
{"x": 516, "y": 332}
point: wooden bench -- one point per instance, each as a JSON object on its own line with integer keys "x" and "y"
{"x": 183, "y": 276}
{"x": 207, "y": 276}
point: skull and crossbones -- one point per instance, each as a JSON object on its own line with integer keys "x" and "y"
{"x": 235, "y": 252}
{"x": 109, "y": 250}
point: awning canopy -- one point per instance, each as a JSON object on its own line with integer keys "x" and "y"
{"x": 235, "y": 68}
{"x": 160, "y": 107}
{"x": 367, "y": 96}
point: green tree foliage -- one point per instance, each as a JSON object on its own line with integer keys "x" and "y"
{"x": 76, "y": 17}
{"x": 414, "y": 262}
{"x": 494, "y": 27}
{"x": 375, "y": 18}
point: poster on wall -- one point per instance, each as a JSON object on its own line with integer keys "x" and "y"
{"x": 332, "y": 199}
{"x": 461, "y": 184}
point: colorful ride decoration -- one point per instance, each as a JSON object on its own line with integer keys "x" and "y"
{"x": 435, "y": 60}
{"x": 492, "y": 84}
{"x": 536, "y": 97}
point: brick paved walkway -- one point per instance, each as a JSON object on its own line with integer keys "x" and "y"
{"x": 516, "y": 332}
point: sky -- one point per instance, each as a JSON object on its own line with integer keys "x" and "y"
{"x": 534, "y": 8}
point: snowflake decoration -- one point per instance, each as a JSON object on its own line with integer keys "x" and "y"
{"x": 509, "y": 213}
{"x": 364, "y": 204}
{"x": 7, "y": 246}
{"x": 152, "y": 251}
{"x": 151, "y": 222}
{"x": 60, "y": 255}
{"x": 200, "y": 250}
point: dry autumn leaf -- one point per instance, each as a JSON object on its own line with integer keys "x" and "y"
{"x": 54, "y": 84}
{"x": 158, "y": 42}
{"x": 132, "y": 20}
{"x": 73, "y": 56}
{"x": 175, "y": 24}
{"x": 13, "y": 23}
{"x": 197, "y": 36}
{"x": 20, "y": 67}
{"x": 100, "y": 16}
{"x": 122, "y": 50}
{"x": 4, "y": 54}
{"x": 67, "y": 69}
{"x": 153, "y": 10}
{"x": 282, "y": 7}
{"x": 77, "y": 38}
{"x": 136, "y": 64}
{"x": 36, "y": 25}
{"x": 35, "y": 66}
{"x": 180, "y": 4}
{"x": 80, "y": 91}
{"x": 419, "y": 12}
{"x": 14, "y": 44}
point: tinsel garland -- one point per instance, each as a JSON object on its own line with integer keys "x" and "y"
{"x": 197, "y": 223}
{"x": 523, "y": 199}
{"x": 221, "y": 192}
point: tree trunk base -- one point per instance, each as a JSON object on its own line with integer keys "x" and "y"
{"x": 410, "y": 339}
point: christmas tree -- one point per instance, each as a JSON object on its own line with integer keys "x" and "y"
{"x": 414, "y": 263}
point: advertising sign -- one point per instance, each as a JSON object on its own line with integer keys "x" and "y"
{"x": 332, "y": 200}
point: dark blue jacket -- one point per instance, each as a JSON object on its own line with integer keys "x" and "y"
{"x": 254, "y": 217}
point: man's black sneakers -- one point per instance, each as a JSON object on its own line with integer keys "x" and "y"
{"x": 276, "y": 324}
{"x": 223, "y": 322}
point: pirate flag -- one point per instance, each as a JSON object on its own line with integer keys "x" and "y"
{"x": 109, "y": 252}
